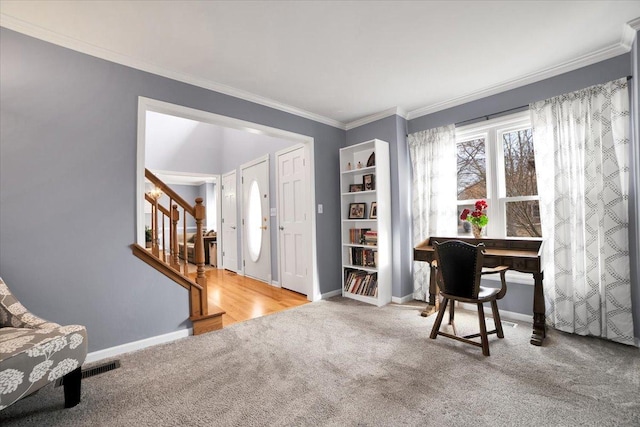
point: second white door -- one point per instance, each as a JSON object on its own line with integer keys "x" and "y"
{"x": 256, "y": 247}
{"x": 229, "y": 222}
{"x": 295, "y": 248}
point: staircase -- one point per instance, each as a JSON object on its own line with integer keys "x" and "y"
{"x": 163, "y": 255}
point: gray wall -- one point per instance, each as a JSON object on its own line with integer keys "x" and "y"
{"x": 189, "y": 193}
{"x": 67, "y": 189}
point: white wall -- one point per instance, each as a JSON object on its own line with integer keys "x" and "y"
{"x": 182, "y": 145}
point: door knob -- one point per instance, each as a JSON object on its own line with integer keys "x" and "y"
{"x": 233, "y": 227}
{"x": 281, "y": 228}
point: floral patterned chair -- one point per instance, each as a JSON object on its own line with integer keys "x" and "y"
{"x": 34, "y": 352}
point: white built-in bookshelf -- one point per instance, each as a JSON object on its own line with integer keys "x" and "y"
{"x": 366, "y": 238}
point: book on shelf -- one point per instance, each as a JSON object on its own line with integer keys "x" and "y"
{"x": 361, "y": 283}
{"x": 357, "y": 235}
{"x": 364, "y": 257}
{"x": 371, "y": 237}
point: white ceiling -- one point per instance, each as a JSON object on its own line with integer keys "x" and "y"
{"x": 340, "y": 62}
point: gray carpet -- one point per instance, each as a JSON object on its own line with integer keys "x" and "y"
{"x": 339, "y": 362}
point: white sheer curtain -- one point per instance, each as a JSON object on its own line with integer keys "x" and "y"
{"x": 582, "y": 153}
{"x": 433, "y": 161}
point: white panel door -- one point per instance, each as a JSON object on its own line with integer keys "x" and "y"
{"x": 256, "y": 242}
{"x": 229, "y": 222}
{"x": 295, "y": 247}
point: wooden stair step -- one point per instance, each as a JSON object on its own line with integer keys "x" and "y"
{"x": 208, "y": 322}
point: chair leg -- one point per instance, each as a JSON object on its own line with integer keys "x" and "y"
{"x": 72, "y": 386}
{"x": 483, "y": 330}
{"x": 452, "y": 312}
{"x": 436, "y": 325}
{"x": 496, "y": 319}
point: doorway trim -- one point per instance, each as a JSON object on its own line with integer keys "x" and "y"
{"x": 147, "y": 104}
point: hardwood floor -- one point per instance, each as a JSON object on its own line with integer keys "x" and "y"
{"x": 243, "y": 298}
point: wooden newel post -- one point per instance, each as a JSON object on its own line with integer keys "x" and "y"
{"x": 175, "y": 217}
{"x": 200, "y": 215}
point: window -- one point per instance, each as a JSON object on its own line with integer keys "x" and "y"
{"x": 496, "y": 162}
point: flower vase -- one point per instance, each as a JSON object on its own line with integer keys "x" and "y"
{"x": 477, "y": 231}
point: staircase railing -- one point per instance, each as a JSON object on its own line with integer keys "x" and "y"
{"x": 171, "y": 214}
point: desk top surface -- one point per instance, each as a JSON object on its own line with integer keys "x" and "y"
{"x": 530, "y": 248}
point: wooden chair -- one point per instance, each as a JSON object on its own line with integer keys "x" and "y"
{"x": 459, "y": 272}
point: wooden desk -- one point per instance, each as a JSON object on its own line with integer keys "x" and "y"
{"x": 520, "y": 255}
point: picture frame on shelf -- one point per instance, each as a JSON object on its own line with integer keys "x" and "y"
{"x": 373, "y": 211}
{"x": 368, "y": 182}
{"x": 353, "y": 188}
{"x": 357, "y": 210}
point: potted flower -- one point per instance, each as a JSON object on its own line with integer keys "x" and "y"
{"x": 478, "y": 218}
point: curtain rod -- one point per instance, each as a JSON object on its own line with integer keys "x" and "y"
{"x": 500, "y": 113}
{"x": 492, "y": 115}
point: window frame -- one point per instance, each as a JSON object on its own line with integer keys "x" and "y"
{"x": 492, "y": 131}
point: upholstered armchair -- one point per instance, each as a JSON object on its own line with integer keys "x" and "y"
{"x": 35, "y": 352}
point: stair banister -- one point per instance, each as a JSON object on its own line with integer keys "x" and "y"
{"x": 198, "y": 296}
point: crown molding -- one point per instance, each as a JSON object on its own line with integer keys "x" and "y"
{"x": 184, "y": 178}
{"x": 583, "y": 61}
{"x": 395, "y": 111}
{"x": 634, "y": 24}
{"x": 629, "y": 31}
{"x": 628, "y": 36}
{"x": 31, "y": 30}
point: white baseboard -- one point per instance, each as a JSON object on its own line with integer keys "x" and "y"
{"x": 503, "y": 313}
{"x": 136, "y": 345}
{"x": 275, "y": 283}
{"x": 331, "y": 294}
{"x": 403, "y": 299}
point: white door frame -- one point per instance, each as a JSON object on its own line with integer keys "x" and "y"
{"x": 308, "y": 232}
{"x": 242, "y": 167}
{"x": 148, "y": 104}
